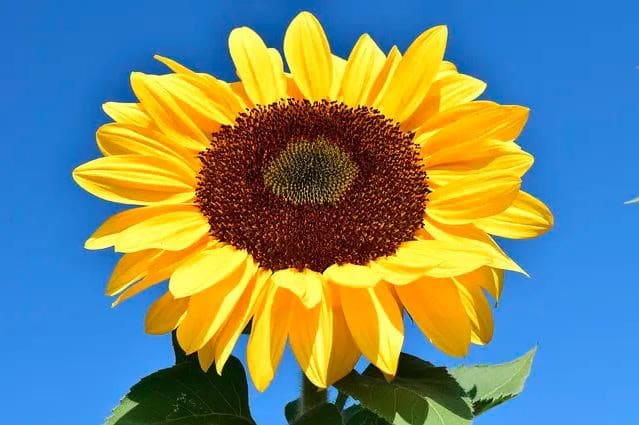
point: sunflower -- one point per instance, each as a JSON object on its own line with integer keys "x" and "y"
{"x": 317, "y": 204}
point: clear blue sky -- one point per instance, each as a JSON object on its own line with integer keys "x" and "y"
{"x": 66, "y": 357}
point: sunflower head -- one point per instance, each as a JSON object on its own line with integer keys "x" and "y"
{"x": 319, "y": 201}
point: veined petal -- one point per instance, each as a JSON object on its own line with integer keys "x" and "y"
{"x": 447, "y": 92}
{"x": 362, "y": 68}
{"x": 473, "y": 197}
{"x": 353, "y": 275}
{"x": 477, "y": 309}
{"x": 239, "y": 318}
{"x": 306, "y": 285}
{"x": 436, "y": 258}
{"x": 499, "y": 122}
{"x": 468, "y": 154}
{"x": 311, "y": 338}
{"x": 443, "y": 119}
{"x": 339, "y": 66}
{"x": 206, "y": 110}
{"x": 125, "y": 139}
{"x": 383, "y": 79}
{"x": 205, "y": 269}
{"x": 174, "y": 66}
{"x": 309, "y": 56}
{"x": 344, "y": 351}
{"x": 527, "y": 217}
{"x": 375, "y": 322}
{"x": 414, "y": 74}
{"x": 135, "y": 179}
{"x": 473, "y": 239}
{"x": 165, "y": 314}
{"x": 128, "y": 113}
{"x": 209, "y": 309}
{"x": 436, "y": 307}
{"x": 271, "y": 325}
{"x": 166, "y": 112}
{"x": 160, "y": 269}
{"x": 396, "y": 273}
{"x": 106, "y": 235}
{"x": 206, "y": 354}
{"x": 511, "y": 160}
{"x": 226, "y": 100}
{"x": 171, "y": 231}
{"x": 129, "y": 269}
{"x": 263, "y": 78}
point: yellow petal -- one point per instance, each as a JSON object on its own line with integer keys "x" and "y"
{"x": 499, "y": 122}
{"x": 447, "y": 92}
{"x": 206, "y": 354}
{"x": 477, "y": 309}
{"x": 263, "y": 78}
{"x": 306, "y": 285}
{"x": 135, "y": 179}
{"x": 473, "y": 197}
{"x": 354, "y": 275}
{"x": 474, "y": 239}
{"x": 106, "y": 235}
{"x": 436, "y": 258}
{"x": 309, "y": 56}
{"x": 159, "y": 270}
{"x": 165, "y": 314}
{"x": 124, "y": 139}
{"x": 173, "y": 65}
{"x": 527, "y": 217}
{"x": 311, "y": 337}
{"x": 209, "y": 309}
{"x": 396, "y": 273}
{"x": 435, "y": 306}
{"x": 446, "y": 118}
{"x": 414, "y": 74}
{"x": 128, "y": 113}
{"x": 339, "y": 65}
{"x": 383, "y": 79}
{"x": 205, "y": 102}
{"x": 171, "y": 231}
{"x": 238, "y": 88}
{"x": 468, "y": 154}
{"x": 239, "y": 318}
{"x": 166, "y": 112}
{"x": 205, "y": 269}
{"x": 344, "y": 352}
{"x": 268, "y": 336}
{"x": 362, "y": 68}
{"x": 375, "y": 322}
{"x": 129, "y": 269}
{"x": 224, "y": 100}
{"x": 516, "y": 163}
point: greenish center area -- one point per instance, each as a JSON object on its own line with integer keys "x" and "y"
{"x": 316, "y": 172}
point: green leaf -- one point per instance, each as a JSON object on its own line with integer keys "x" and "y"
{"x": 491, "y": 385}
{"x": 357, "y": 415}
{"x": 185, "y": 395}
{"x": 292, "y": 410}
{"x": 421, "y": 394}
{"x": 322, "y": 414}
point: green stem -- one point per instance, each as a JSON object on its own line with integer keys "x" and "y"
{"x": 311, "y": 395}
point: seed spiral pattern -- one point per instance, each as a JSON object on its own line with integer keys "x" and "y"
{"x": 310, "y": 172}
{"x": 302, "y": 184}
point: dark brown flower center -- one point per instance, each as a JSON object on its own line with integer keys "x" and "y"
{"x": 301, "y": 184}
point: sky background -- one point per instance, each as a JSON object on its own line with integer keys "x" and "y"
{"x": 67, "y": 357}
